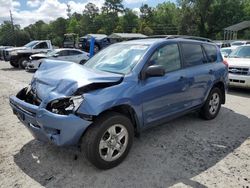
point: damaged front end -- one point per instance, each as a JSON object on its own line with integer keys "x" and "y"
{"x": 58, "y": 123}
{"x": 49, "y": 106}
{"x": 65, "y": 106}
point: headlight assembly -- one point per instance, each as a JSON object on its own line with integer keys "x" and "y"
{"x": 65, "y": 106}
{"x": 13, "y": 53}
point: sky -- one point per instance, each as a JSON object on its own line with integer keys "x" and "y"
{"x": 29, "y": 11}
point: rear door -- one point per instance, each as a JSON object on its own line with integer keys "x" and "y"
{"x": 198, "y": 72}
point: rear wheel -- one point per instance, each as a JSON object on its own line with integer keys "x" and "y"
{"x": 22, "y": 62}
{"x": 108, "y": 140}
{"x": 212, "y": 105}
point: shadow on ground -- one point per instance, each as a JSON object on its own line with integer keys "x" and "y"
{"x": 163, "y": 156}
{"x": 11, "y": 69}
{"x": 241, "y": 92}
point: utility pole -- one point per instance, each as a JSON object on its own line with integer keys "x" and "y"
{"x": 68, "y": 11}
{"x": 12, "y": 28}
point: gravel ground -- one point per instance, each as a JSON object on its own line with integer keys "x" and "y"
{"x": 186, "y": 152}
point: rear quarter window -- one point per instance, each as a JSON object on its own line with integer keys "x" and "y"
{"x": 211, "y": 53}
{"x": 192, "y": 54}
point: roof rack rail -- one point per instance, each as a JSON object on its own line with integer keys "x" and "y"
{"x": 182, "y": 37}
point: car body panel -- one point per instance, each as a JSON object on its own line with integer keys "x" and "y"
{"x": 151, "y": 99}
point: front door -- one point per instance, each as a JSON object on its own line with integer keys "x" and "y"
{"x": 164, "y": 96}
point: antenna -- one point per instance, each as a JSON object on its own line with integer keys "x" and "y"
{"x": 12, "y": 28}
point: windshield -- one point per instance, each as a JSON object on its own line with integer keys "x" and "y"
{"x": 118, "y": 58}
{"x": 241, "y": 52}
{"x": 31, "y": 44}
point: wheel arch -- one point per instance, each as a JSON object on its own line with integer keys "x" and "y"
{"x": 221, "y": 86}
{"x": 128, "y": 111}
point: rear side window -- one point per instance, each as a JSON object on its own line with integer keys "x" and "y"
{"x": 74, "y": 52}
{"x": 192, "y": 54}
{"x": 211, "y": 52}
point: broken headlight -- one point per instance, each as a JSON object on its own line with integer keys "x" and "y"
{"x": 65, "y": 106}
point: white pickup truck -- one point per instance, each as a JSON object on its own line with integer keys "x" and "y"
{"x": 19, "y": 56}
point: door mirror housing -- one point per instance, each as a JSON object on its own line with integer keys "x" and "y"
{"x": 55, "y": 55}
{"x": 155, "y": 71}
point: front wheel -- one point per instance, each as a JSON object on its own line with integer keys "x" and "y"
{"x": 23, "y": 62}
{"x": 108, "y": 140}
{"x": 212, "y": 105}
{"x": 14, "y": 64}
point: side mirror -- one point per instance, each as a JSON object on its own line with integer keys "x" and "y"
{"x": 55, "y": 55}
{"x": 155, "y": 71}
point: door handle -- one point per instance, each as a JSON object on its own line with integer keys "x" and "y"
{"x": 182, "y": 78}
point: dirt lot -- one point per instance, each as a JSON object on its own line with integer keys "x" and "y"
{"x": 186, "y": 152}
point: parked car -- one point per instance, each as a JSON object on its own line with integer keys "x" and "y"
{"x": 101, "y": 41}
{"x": 239, "y": 43}
{"x": 19, "y": 56}
{"x": 239, "y": 67}
{"x": 2, "y": 48}
{"x": 124, "y": 89}
{"x": 223, "y": 44}
{"x": 227, "y": 51}
{"x": 70, "y": 40}
{"x": 63, "y": 54}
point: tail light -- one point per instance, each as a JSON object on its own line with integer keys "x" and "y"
{"x": 225, "y": 62}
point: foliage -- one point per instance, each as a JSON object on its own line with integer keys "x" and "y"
{"x": 205, "y": 18}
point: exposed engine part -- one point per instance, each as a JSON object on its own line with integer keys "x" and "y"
{"x": 27, "y": 95}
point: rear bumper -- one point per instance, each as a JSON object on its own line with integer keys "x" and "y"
{"x": 61, "y": 130}
{"x": 239, "y": 81}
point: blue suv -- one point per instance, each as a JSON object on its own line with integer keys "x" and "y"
{"x": 124, "y": 89}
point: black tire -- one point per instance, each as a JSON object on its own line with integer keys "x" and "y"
{"x": 96, "y": 49}
{"x": 14, "y": 64}
{"x": 97, "y": 131}
{"x": 22, "y": 62}
{"x": 205, "y": 111}
{"x": 82, "y": 62}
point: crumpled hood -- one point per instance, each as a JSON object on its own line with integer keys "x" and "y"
{"x": 60, "y": 78}
{"x": 238, "y": 62}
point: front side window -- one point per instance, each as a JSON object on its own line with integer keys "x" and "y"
{"x": 117, "y": 58}
{"x": 63, "y": 53}
{"x": 192, "y": 54}
{"x": 167, "y": 56}
{"x": 74, "y": 52}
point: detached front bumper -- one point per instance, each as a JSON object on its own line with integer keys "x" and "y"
{"x": 239, "y": 80}
{"x": 61, "y": 130}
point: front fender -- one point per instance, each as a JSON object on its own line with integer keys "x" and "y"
{"x": 102, "y": 100}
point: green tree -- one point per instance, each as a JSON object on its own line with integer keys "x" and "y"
{"x": 113, "y": 6}
{"x": 91, "y": 10}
